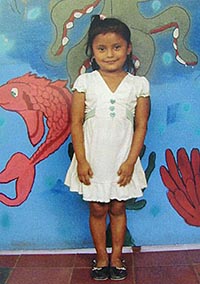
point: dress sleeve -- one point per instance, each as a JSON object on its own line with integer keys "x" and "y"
{"x": 144, "y": 90}
{"x": 80, "y": 84}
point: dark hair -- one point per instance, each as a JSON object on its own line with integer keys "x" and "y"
{"x": 103, "y": 26}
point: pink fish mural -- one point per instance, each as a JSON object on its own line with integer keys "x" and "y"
{"x": 34, "y": 99}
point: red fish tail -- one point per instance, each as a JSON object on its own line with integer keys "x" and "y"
{"x": 20, "y": 169}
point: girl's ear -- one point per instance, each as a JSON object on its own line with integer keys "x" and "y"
{"x": 129, "y": 49}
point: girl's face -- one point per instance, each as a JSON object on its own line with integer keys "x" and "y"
{"x": 110, "y": 51}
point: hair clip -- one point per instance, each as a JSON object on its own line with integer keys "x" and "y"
{"x": 102, "y": 17}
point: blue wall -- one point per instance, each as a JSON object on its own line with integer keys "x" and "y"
{"x": 49, "y": 216}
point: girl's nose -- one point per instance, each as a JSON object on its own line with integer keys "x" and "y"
{"x": 109, "y": 52}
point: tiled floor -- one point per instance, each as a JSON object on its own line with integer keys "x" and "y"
{"x": 171, "y": 267}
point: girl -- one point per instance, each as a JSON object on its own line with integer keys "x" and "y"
{"x": 110, "y": 111}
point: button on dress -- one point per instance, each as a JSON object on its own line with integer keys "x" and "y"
{"x": 108, "y": 131}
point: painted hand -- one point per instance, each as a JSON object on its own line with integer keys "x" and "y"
{"x": 183, "y": 182}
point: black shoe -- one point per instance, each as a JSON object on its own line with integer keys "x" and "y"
{"x": 99, "y": 273}
{"x": 118, "y": 273}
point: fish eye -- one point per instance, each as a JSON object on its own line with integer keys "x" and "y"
{"x": 14, "y": 92}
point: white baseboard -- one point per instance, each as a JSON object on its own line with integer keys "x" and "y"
{"x": 62, "y": 251}
{"x": 170, "y": 247}
{"x": 92, "y": 250}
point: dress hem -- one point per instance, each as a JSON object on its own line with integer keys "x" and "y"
{"x": 106, "y": 201}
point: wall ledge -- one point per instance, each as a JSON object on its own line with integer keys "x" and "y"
{"x": 92, "y": 250}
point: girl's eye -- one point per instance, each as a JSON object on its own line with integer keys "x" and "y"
{"x": 101, "y": 48}
{"x": 14, "y": 92}
{"x": 117, "y": 47}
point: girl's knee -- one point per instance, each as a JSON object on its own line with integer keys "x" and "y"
{"x": 98, "y": 209}
{"x": 117, "y": 208}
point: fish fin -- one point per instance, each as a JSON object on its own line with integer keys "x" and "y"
{"x": 60, "y": 83}
{"x": 35, "y": 125}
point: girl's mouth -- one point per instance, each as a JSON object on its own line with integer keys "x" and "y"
{"x": 110, "y": 62}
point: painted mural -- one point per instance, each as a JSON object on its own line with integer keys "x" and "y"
{"x": 34, "y": 98}
{"x": 142, "y": 29}
{"x": 182, "y": 178}
{"x": 41, "y": 54}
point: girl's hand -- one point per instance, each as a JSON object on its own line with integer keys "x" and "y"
{"x": 125, "y": 173}
{"x": 84, "y": 172}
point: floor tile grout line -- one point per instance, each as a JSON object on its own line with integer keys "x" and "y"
{"x": 71, "y": 274}
{"x": 189, "y": 261}
{"x": 17, "y": 260}
{"x": 72, "y": 271}
{"x": 133, "y": 266}
{"x": 196, "y": 272}
{"x": 12, "y": 269}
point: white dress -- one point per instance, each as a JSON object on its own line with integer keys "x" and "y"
{"x": 108, "y": 131}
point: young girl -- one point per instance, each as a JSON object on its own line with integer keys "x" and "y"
{"x": 110, "y": 111}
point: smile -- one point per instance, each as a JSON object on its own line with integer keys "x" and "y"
{"x": 110, "y": 62}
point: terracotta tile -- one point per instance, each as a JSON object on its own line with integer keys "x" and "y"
{"x": 29, "y": 275}
{"x": 85, "y": 260}
{"x": 56, "y": 260}
{"x": 196, "y": 268}
{"x": 148, "y": 259}
{"x": 4, "y": 273}
{"x": 193, "y": 256}
{"x": 129, "y": 259}
{"x": 82, "y": 275}
{"x": 166, "y": 275}
{"x": 8, "y": 260}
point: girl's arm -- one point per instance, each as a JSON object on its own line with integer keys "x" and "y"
{"x": 78, "y": 110}
{"x": 141, "y": 120}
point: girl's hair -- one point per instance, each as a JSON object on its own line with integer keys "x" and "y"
{"x": 107, "y": 25}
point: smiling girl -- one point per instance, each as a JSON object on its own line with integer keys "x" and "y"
{"x": 110, "y": 111}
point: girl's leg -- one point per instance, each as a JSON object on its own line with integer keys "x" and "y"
{"x": 98, "y": 214}
{"x": 117, "y": 213}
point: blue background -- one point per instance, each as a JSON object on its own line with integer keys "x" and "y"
{"x": 54, "y": 218}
